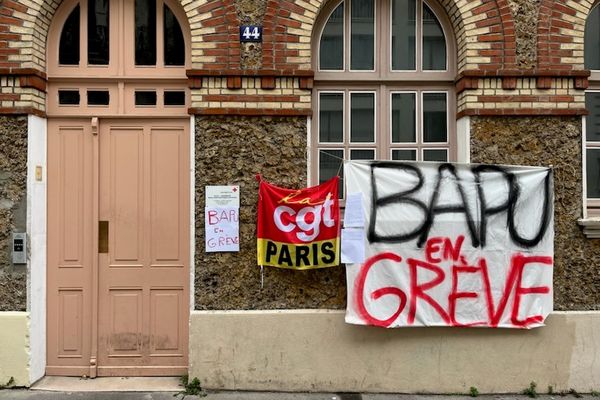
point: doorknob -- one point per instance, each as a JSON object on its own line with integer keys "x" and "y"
{"x": 102, "y": 236}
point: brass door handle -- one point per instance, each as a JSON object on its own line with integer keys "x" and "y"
{"x": 102, "y": 236}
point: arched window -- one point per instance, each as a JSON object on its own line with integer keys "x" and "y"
{"x": 592, "y": 101}
{"x": 384, "y": 72}
{"x": 109, "y": 43}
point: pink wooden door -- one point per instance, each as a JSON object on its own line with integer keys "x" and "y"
{"x": 121, "y": 204}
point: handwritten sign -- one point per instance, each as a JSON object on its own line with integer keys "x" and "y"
{"x": 452, "y": 245}
{"x": 221, "y": 218}
{"x": 222, "y": 229}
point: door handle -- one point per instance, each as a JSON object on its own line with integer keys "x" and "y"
{"x": 102, "y": 236}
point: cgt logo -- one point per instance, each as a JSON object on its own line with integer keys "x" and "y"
{"x": 307, "y": 221}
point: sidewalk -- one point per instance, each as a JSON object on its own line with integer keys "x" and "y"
{"x": 20, "y": 394}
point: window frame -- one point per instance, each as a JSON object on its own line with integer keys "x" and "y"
{"x": 591, "y": 204}
{"x": 121, "y": 62}
{"x": 384, "y": 82}
{"x": 384, "y": 58}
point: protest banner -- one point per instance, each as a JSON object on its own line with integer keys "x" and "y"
{"x": 221, "y": 219}
{"x": 298, "y": 229}
{"x": 452, "y": 245}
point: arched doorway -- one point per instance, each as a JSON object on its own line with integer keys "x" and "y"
{"x": 118, "y": 189}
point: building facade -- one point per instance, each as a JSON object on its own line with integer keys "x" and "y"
{"x": 115, "y": 115}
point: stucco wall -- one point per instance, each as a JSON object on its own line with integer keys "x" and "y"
{"x": 231, "y": 151}
{"x": 13, "y": 209}
{"x": 309, "y": 350}
{"x": 14, "y": 348}
{"x": 550, "y": 141}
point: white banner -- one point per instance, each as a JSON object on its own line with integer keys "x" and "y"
{"x": 452, "y": 245}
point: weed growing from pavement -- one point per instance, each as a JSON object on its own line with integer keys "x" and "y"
{"x": 550, "y": 389}
{"x": 530, "y": 391}
{"x": 595, "y": 393}
{"x": 473, "y": 392}
{"x": 190, "y": 388}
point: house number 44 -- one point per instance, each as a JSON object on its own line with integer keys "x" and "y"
{"x": 250, "y": 33}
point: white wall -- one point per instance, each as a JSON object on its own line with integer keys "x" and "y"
{"x": 463, "y": 140}
{"x": 36, "y": 230}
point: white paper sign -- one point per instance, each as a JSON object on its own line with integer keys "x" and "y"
{"x": 452, "y": 245}
{"x": 223, "y": 196}
{"x": 353, "y": 245}
{"x": 222, "y": 232}
{"x": 354, "y": 211}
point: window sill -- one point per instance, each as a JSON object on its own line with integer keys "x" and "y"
{"x": 591, "y": 227}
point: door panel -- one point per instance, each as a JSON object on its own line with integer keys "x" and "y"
{"x": 134, "y": 295}
{"x": 144, "y": 196}
{"x": 70, "y": 240}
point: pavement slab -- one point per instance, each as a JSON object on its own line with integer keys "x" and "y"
{"x": 23, "y": 394}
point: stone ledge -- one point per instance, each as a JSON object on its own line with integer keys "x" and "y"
{"x": 591, "y": 227}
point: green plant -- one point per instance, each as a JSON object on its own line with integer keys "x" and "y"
{"x": 550, "y": 389}
{"x": 575, "y": 393}
{"x": 473, "y": 392}
{"x": 595, "y": 393}
{"x": 191, "y": 388}
{"x": 530, "y": 391}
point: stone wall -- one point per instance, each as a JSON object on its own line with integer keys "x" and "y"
{"x": 231, "y": 151}
{"x": 548, "y": 141}
{"x": 525, "y": 14}
{"x": 13, "y": 209}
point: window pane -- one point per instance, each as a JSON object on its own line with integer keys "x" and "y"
{"x": 68, "y": 49}
{"x": 434, "y": 43}
{"x": 143, "y": 98}
{"x": 145, "y": 32}
{"x": 592, "y": 126}
{"x": 331, "y": 49}
{"x": 331, "y": 117}
{"x": 593, "y": 173}
{"x": 362, "y": 117}
{"x": 173, "y": 39}
{"x": 404, "y": 125}
{"x": 434, "y": 117}
{"x": 362, "y": 154}
{"x": 174, "y": 98}
{"x": 98, "y": 97}
{"x": 362, "y": 32}
{"x": 68, "y": 97}
{"x": 404, "y": 155}
{"x": 592, "y": 39}
{"x": 435, "y": 155}
{"x": 403, "y": 34}
{"x": 330, "y": 162}
{"x": 98, "y": 32}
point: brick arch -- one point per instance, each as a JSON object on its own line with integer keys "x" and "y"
{"x": 215, "y": 22}
{"x": 483, "y": 30}
{"x": 561, "y": 30}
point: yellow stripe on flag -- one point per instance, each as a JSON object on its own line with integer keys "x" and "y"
{"x": 320, "y": 254}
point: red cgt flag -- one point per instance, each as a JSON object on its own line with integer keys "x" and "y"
{"x": 299, "y": 229}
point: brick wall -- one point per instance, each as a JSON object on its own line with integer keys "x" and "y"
{"x": 487, "y": 40}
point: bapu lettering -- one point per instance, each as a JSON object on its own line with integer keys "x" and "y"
{"x": 433, "y": 207}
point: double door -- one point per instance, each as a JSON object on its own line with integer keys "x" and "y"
{"x": 118, "y": 247}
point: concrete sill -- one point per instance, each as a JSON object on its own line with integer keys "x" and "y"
{"x": 591, "y": 227}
